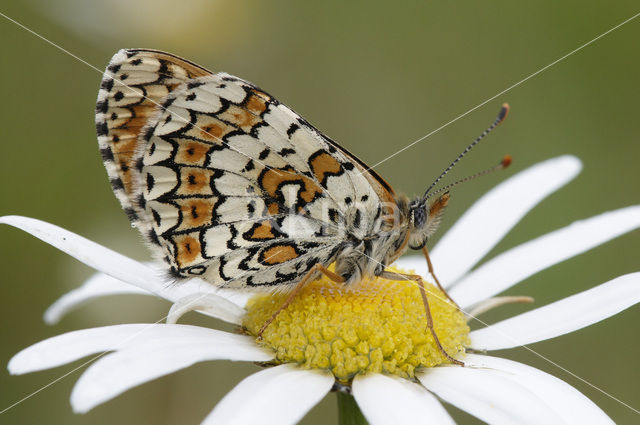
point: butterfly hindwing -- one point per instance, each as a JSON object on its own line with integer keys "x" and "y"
{"x": 223, "y": 180}
{"x": 239, "y": 190}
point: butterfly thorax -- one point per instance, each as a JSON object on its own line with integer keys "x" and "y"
{"x": 385, "y": 241}
{"x": 403, "y": 224}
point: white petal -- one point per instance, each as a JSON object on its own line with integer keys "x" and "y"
{"x": 493, "y": 215}
{"x": 279, "y": 395}
{"x": 116, "y": 373}
{"x": 210, "y": 304}
{"x": 222, "y": 304}
{"x": 561, "y": 317}
{"x": 90, "y": 253}
{"x": 65, "y": 348}
{"x": 494, "y": 302}
{"x": 569, "y": 403}
{"x": 529, "y": 258}
{"x": 391, "y": 400}
{"x": 75, "y": 345}
{"x": 489, "y": 395}
{"x": 238, "y": 297}
{"x": 97, "y": 286}
{"x": 107, "y": 261}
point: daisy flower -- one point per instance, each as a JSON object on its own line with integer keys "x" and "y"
{"x": 369, "y": 340}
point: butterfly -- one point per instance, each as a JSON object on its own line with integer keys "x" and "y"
{"x": 227, "y": 184}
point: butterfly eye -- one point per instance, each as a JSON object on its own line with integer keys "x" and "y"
{"x": 418, "y": 216}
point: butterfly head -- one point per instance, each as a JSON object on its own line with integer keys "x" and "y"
{"x": 424, "y": 218}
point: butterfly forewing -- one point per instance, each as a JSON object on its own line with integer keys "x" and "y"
{"x": 135, "y": 83}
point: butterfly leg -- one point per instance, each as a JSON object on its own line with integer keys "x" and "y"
{"x": 425, "y": 251}
{"x": 316, "y": 268}
{"x": 427, "y": 309}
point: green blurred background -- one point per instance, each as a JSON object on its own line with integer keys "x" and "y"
{"x": 372, "y": 76}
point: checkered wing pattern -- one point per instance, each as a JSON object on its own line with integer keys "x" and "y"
{"x": 231, "y": 185}
{"x": 135, "y": 83}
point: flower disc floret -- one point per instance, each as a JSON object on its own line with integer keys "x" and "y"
{"x": 377, "y": 325}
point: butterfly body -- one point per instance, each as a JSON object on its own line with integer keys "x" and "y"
{"x": 229, "y": 185}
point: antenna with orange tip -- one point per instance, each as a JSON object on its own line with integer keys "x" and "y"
{"x": 504, "y": 163}
{"x": 504, "y": 111}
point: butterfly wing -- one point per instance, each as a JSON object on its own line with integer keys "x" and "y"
{"x": 134, "y": 84}
{"x": 223, "y": 180}
{"x": 241, "y": 191}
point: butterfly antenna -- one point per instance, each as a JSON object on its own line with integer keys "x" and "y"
{"x": 504, "y": 110}
{"x": 506, "y": 161}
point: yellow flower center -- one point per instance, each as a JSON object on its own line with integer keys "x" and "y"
{"x": 377, "y": 325}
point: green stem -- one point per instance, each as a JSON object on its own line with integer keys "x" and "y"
{"x": 348, "y": 411}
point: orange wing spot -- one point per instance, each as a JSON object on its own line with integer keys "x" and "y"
{"x": 191, "y": 152}
{"x": 240, "y": 117}
{"x": 210, "y": 129}
{"x": 256, "y": 105}
{"x": 273, "y": 179}
{"x": 123, "y": 155}
{"x": 118, "y": 135}
{"x": 188, "y": 250}
{"x": 125, "y": 147}
{"x": 263, "y": 231}
{"x": 273, "y": 208}
{"x": 324, "y": 164}
{"x": 279, "y": 254}
{"x": 261, "y": 95}
{"x": 141, "y": 114}
{"x": 195, "y": 181}
{"x": 310, "y": 190}
{"x": 195, "y": 213}
{"x": 136, "y": 123}
{"x": 127, "y": 180}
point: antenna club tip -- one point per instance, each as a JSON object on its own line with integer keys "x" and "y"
{"x": 506, "y": 161}
{"x": 504, "y": 111}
